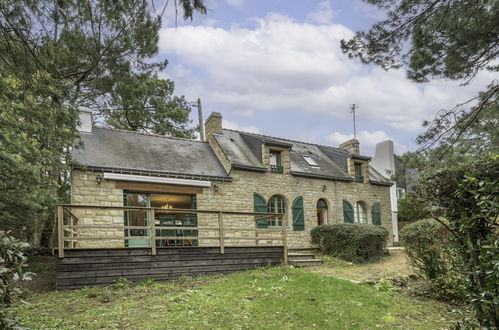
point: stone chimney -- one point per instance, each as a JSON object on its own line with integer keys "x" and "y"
{"x": 85, "y": 122}
{"x": 352, "y": 145}
{"x": 213, "y": 124}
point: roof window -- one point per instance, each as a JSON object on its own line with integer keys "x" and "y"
{"x": 310, "y": 161}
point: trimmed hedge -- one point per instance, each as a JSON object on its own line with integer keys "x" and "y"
{"x": 434, "y": 255}
{"x": 351, "y": 242}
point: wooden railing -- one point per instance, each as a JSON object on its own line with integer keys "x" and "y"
{"x": 70, "y": 228}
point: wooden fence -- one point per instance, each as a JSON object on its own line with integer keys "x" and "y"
{"x": 70, "y": 228}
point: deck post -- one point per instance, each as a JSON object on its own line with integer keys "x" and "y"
{"x": 153, "y": 233}
{"x": 285, "y": 241}
{"x": 60, "y": 231}
{"x": 221, "y": 232}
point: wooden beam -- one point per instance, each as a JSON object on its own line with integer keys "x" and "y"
{"x": 60, "y": 231}
{"x": 161, "y": 188}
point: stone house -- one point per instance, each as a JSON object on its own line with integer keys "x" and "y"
{"x": 232, "y": 170}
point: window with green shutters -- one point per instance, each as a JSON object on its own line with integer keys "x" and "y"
{"x": 260, "y": 205}
{"x": 298, "y": 216}
{"x": 376, "y": 214}
{"x": 348, "y": 212}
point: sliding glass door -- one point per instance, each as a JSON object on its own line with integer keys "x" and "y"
{"x": 137, "y": 218}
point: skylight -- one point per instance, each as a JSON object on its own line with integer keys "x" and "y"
{"x": 310, "y": 161}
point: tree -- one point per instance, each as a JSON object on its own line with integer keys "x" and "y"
{"x": 466, "y": 199}
{"x": 143, "y": 102}
{"x": 30, "y": 150}
{"x": 54, "y": 56}
{"x": 451, "y": 39}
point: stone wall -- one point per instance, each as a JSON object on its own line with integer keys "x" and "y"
{"x": 238, "y": 196}
{"x": 86, "y": 191}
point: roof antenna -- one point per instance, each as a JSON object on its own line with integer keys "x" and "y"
{"x": 352, "y": 110}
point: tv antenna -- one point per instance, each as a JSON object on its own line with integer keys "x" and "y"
{"x": 352, "y": 110}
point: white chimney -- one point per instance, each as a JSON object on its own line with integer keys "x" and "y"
{"x": 85, "y": 122}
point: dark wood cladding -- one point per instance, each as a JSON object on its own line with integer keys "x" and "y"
{"x": 87, "y": 267}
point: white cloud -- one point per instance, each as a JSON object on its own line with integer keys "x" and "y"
{"x": 289, "y": 66}
{"x": 235, "y": 126}
{"x": 235, "y": 3}
{"x": 368, "y": 141}
{"x": 323, "y": 15}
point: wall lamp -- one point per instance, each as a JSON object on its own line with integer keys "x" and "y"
{"x": 324, "y": 188}
{"x": 215, "y": 188}
{"x": 98, "y": 178}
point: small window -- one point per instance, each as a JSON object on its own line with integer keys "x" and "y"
{"x": 358, "y": 173}
{"x": 310, "y": 161}
{"x": 275, "y": 161}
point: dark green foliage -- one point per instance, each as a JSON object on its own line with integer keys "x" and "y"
{"x": 351, "y": 242}
{"x": 143, "y": 102}
{"x": 37, "y": 132}
{"x": 467, "y": 197}
{"x": 409, "y": 209}
{"x": 54, "y": 57}
{"x": 12, "y": 264}
{"x": 433, "y": 254}
{"x": 451, "y": 38}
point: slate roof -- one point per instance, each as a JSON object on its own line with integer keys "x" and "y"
{"x": 131, "y": 151}
{"x": 243, "y": 151}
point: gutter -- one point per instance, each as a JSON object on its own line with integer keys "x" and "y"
{"x": 321, "y": 176}
{"x": 249, "y": 168}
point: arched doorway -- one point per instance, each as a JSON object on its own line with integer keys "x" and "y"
{"x": 321, "y": 212}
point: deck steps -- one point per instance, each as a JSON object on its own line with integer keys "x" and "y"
{"x": 303, "y": 260}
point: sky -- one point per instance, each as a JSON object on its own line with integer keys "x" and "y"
{"x": 275, "y": 67}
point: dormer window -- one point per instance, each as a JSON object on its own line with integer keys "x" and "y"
{"x": 358, "y": 172}
{"x": 275, "y": 161}
{"x": 310, "y": 161}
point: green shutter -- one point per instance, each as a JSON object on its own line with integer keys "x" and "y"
{"x": 376, "y": 214}
{"x": 260, "y": 205}
{"x": 298, "y": 218}
{"x": 347, "y": 212}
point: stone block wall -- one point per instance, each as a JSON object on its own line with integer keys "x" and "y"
{"x": 86, "y": 191}
{"x": 237, "y": 196}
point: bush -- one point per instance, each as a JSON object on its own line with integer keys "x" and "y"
{"x": 12, "y": 264}
{"x": 433, "y": 255}
{"x": 350, "y": 242}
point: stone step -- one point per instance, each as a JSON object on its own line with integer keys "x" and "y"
{"x": 298, "y": 256}
{"x": 305, "y": 262}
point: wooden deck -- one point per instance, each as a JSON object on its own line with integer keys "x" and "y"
{"x": 88, "y": 267}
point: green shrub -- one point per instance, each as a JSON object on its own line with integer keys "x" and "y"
{"x": 433, "y": 255}
{"x": 351, "y": 242}
{"x": 12, "y": 265}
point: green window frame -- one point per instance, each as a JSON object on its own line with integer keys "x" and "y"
{"x": 376, "y": 214}
{"x": 298, "y": 216}
{"x": 275, "y": 161}
{"x": 348, "y": 216}
{"x": 260, "y": 205}
{"x": 358, "y": 172}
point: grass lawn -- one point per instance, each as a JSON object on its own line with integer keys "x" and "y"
{"x": 277, "y": 298}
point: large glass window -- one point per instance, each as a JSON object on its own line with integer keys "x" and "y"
{"x": 276, "y": 204}
{"x": 360, "y": 213}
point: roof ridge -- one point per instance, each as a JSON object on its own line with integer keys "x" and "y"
{"x": 148, "y": 134}
{"x": 285, "y": 139}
